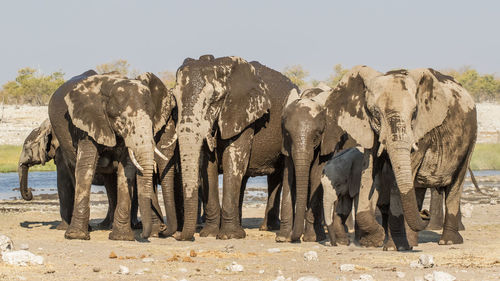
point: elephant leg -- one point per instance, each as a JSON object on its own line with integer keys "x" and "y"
{"x": 122, "y": 229}
{"x": 156, "y": 215}
{"x": 134, "y": 221}
{"x": 339, "y": 219}
{"x": 240, "y": 201}
{"x": 66, "y": 192}
{"x": 271, "y": 216}
{"x": 167, "y": 185}
{"x": 179, "y": 199}
{"x": 86, "y": 161}
{"x": 453, "y": 192}
{"x": 235, "y": 163}
{"x": 111, "y": 192}
{"x": 314, "y": 230}
{"x": 370, "y": 232}
{"x": 212, "y": 205}
{"x": 436, "y": 210}
{"x": 285, "y": 233}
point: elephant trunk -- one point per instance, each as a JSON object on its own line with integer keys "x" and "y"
{"x": 190, "y": 160}
{"x": 302, "y": 166}
{"x": 399, "y": 153}
{"x": 145, "y": 158}
{"x": 22, "y": 170}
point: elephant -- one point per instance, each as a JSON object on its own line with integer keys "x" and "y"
{"x": 95, "y": 115}
{"x": 40, "y": 147}
{"x": 303, "y": 123}
{"x": 420, "y": 121}
{"x": 228, "y": 122}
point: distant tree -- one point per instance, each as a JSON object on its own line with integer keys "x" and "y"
{"x": 338, "y": 73}
{"x": 121, "y": 66}
{"x": 31, "y": 87}
{"x": 297, "y": 74}
{"x": 482, "y": 87}
{"x": 168, "y": 78}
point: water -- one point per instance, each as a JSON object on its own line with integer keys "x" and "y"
{"x": 46, "y": 183}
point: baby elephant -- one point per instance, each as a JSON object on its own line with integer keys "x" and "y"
{"x": 40, "y": 147}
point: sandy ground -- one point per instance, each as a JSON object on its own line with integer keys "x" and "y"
{"x": 33, "y": 223}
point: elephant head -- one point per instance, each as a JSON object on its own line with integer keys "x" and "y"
{"x": 303, "y": 124}
{"x": 107, "y": 107}
{"x": 215, "y": 97}
{"x": 38, "y": 148}
{"x": 390, "y": 112}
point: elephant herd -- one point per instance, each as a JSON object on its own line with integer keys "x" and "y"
{"x": 376, "y": 141}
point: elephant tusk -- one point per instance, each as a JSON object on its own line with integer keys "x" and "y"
{"x": 158, "y": 152}
{"x": 380, "y": 150}
{"x": 155, "y": 166}
{"x": 415, "y": 147}
{"x": 134, "y": 161}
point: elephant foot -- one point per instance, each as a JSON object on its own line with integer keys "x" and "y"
{"x": 270, "y": 225}
{"x": 231, "y": 231}
{"x": 342, "y": 239}
{"x": 284, "y": 235}
{"x": 62, "y": 225}
{"x": 178, "y": 236}
{"x": 402, "y": 245}
{"x": 75, "y": 233}
{"x": 372, "y": 239}
{"x": 122, "y": 234}
{"x": 450, "y": 237}
{"x": 461, "y": 226}
{"x": 209, "y": 230}
{"x": 313, "y": 233}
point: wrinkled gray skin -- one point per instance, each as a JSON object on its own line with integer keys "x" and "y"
{"x": 40, "y": 147}
{"x": 228, "y": 122}
{"x": 94, "y": 115}
{"x": 422, "y": 122}
{"x": 303, "y": 124}
{"x": 341, "y": 181}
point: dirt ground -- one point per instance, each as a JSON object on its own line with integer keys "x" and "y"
{"x": 33, "y": 223}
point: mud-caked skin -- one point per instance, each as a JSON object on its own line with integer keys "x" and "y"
{"x": 423, "y": 121}
{"x": 303, "y": 123}
{"x": 94, "y": 115}
{"x": 228, "y": 122}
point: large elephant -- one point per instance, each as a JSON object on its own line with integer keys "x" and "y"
{"x": 341, "y": 180}
{"x": 93, "y": 115}
{"x": 422, "y": 122}
{"x": 303, "y": 123}
{"x": 40, "y": 147}
{"x": 228, "y": 121}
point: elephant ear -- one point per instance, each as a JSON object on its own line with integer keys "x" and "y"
{"x": 41, "y": 144}
{"x": 163, "y": 99}
{"x": 246, "y": 101}
{"x": 346, "y": 111}
{"x": 432, "y": 103}
{"x": 87, "y": 109}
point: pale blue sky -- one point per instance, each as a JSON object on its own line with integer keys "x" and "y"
{"x": 157, "y": 35}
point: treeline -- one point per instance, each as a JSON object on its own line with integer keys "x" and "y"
{"x": 484, "y": 88}
{"x": 35, "y": 88}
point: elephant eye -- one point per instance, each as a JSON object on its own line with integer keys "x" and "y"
{"x": 414, "y": 115}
